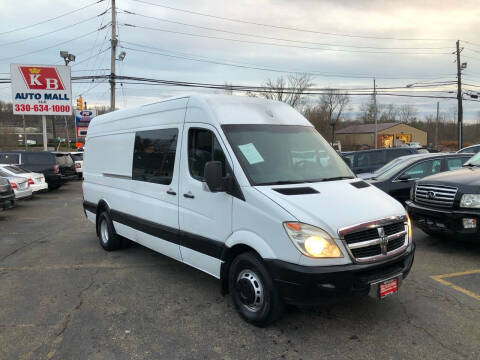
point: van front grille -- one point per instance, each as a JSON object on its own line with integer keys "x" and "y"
{"x": 435, "y": 195}
{"x": 376, "y": 240}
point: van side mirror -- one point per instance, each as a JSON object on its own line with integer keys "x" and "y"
{"x": 404, "y": 177}
{"x": 213, "y": 176}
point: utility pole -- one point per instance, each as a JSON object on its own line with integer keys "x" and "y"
{"x": 459, "y": 96}
{"x": 375, "y": 111}
{"x": 24, "y": 133}
{"x": 113, "y": 56}
{"x": 436, "y": 125}
{"x": 44, "y": 132}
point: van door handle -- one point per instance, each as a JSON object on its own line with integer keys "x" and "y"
{"x": 171, "y": 192}
{"x": 189, "y": 195}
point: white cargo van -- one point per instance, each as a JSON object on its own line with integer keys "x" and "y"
{"x": 246, "y": 190}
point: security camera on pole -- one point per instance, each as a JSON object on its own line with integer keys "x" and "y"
{"x": 41, "y": 90}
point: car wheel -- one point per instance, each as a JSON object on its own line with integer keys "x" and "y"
{"x": 53, "y": 187}
{"x": 106, "y": 233}
{"x": 253, "y": 291}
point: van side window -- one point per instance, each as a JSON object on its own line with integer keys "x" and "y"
{"x": 154, "y": 155}
{"x": 203, "y": 146}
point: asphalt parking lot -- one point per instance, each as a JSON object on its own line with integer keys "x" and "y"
{"x": 63, "y": 297}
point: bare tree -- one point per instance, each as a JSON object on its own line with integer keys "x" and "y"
{"x": 290, "y": 90}
{"x": 407, "y": 113}
{"x": 333, "y": 104}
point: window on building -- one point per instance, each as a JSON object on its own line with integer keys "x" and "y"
{"x": 154, "y": 155}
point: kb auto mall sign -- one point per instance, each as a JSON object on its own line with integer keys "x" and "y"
{"x": 41, "y": 89}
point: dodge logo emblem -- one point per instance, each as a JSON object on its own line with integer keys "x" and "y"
{"x": 431, "y": 195}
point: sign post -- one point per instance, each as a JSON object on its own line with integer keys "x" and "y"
{"x": 41, "y": 90}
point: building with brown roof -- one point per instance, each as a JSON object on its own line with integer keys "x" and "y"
{"x": 389, "y": 135}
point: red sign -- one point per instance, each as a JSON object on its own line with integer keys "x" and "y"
{"x": 41, "y": 78}
{"x": 388, "y": 287}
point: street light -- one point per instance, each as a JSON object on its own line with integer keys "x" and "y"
{"x": 67, "y": 56}
{"x": 121, "y": 56}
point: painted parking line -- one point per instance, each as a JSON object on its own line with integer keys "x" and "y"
{"x": 441, "y": 279}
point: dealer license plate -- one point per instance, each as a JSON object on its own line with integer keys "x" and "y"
{"x": 388, "y": 287}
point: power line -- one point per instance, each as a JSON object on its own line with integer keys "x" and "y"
{"x": 283, "y": 39}
{"x": 51, "y": 19}
{"x": 49, "y": 32}
{"x": 291, "y": 28}
{"x": 191, "y": 57}
{"x": 50, "y": 47}
{"x": 277, "y": 44}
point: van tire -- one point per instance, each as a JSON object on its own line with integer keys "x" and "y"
{"x": 107, "y": 236}
{"x": 253, "y": 292}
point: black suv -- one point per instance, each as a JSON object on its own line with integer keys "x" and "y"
{"x": 365, "y": 161}
{"x": 36, "y": 161}
{"x": 448, "y": 203}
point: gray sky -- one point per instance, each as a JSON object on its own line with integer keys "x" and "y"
{"x": 346, "y": 61}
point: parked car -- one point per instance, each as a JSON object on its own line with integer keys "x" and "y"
{"x": 78, "y": 159}
{"x": 415, "y": 145}
{"x": 66, "y": 165}
{"x": 384, "y": 168}
{"x": 370, "y": 160}
{"x": 7, "y": 196}
{"x": 449, "y": 203}
{"x": 470, "y": 149}
{"x": 247, "y": 191}
{"x": 36, "y": 161}
{"x": 398, "y": 180}
{"x": 35, "y": 180}
{"x": 20, "y": 185}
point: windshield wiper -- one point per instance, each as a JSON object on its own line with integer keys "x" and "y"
{"x": 470, "y": 165}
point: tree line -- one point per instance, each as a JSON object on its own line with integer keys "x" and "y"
{"x": 330, "y": 112}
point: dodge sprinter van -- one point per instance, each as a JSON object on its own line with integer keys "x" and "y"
{"x": 246, "y": 190}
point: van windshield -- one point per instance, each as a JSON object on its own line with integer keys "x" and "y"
{"x": 285, "y": 154}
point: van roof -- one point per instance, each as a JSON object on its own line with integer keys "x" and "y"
{"x": 222, "y": 109}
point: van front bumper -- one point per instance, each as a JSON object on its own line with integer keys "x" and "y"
{"x": 310, "y": 285}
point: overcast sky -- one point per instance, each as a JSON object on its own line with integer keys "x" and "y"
{"x": 331, "y": 50}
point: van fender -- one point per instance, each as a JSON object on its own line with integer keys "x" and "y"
{"x": 237, "y": 243}
{"x": 252, "y": 240}
{"x": 101, "y": 206}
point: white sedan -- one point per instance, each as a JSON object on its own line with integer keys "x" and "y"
{"x": 35, "y": 180}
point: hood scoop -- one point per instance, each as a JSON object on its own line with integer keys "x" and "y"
{"x": 296, "y": 191}
{"x": 360, "y": 184}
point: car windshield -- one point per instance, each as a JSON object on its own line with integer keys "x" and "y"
{"x": 394, "y": 169}
{"x": 389, "y": 165}
{"x": 474, "y": 161}
{"x": 64, "y": 160}
{"x": 16, "y": 169}
{"x": 285, "y": 154}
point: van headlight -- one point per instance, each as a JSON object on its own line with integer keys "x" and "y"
{"x": 312, "y": 241}
{"x": 470, "y": 201}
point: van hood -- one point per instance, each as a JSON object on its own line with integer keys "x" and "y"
{"x": 335, "y": 204}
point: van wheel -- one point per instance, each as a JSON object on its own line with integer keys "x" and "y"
{"x": 253, "y": 291}
{"x": 106, "y": 233}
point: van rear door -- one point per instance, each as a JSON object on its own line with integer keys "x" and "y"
{"x": 205, "y": 218}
